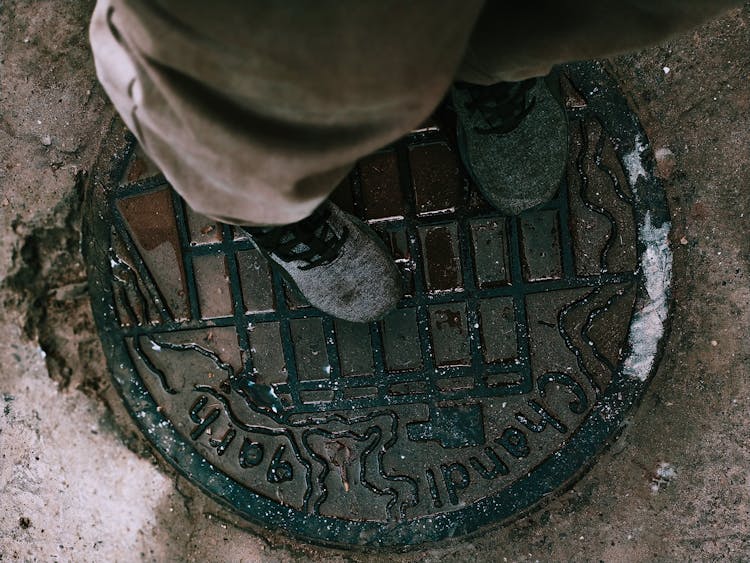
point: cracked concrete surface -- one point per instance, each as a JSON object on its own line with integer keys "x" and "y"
{"x": 78, "y": 483}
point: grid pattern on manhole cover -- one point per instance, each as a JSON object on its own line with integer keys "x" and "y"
{"x": 510, "y": 359}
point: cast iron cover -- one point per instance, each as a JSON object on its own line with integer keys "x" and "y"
{"x": 518, "y": 348}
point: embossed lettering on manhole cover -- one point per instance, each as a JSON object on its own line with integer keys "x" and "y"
{"x": 515, "y": 353}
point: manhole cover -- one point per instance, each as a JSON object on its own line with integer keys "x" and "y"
{"x": 517, "y": 350}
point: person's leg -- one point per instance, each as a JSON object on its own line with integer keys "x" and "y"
{"x": 511, "y": 124}
{"x": 537, "y": 35}
{"x": 255, "y": 110}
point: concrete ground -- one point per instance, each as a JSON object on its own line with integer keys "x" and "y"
{"x": 78, "y": 483}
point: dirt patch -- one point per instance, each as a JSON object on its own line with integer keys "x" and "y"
{"x": 52, "y": 112}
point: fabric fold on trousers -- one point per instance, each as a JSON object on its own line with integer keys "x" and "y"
{"x": 256, "y": 110}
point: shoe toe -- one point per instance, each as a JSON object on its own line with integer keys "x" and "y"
{"x": 362, "y": 284}
{"x": 522, "y": 169}
{"x": 368, "y": 285}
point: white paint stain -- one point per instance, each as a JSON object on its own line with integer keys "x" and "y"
{"x": 633, "y": 162}
{"x": 648, "y": 324}
{"x": 664, "y": 474}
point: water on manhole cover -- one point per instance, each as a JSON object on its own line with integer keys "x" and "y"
{"x": 518, "y": 347}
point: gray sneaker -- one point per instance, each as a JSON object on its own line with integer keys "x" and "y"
{"x": 513, "y": 139}
{"x": 336, "y": 262}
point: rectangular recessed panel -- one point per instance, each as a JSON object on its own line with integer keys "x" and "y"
{"x": 436, "y": 175}
{"x": 354, "y": 347}
{"x": 442, "y": 263}
{"x": 359, "y": 392}
{"x": 540, "y": 246}
{"x": 267, "y": 353}
{"x": 497, "y": 322}
{"x": 408, "y": 388}
{"x": 430, "y": 124}
{"x": 212, "y": 281}
{"x": 139, "y": 167}
{"x": 401, "y": 340}
{"x": 202, "y": 229}
{"x": 285, "y": 398}
{"x": 317, "y": 396}
{"x": 450, "y": 338}
{"x": 255, "y": 278}
{"x": 150, "y": 218}
{"x": 343, "y": 196}
{"x": 379, "y": 181}
{"x": 490, "y": 249}
{"x": 310, "y": 349}
{"x": 238, "y": 233}
{"x": 293, "y": 298}
{"x": 502, "y": 379}
{"x": 399, "y": 245}
{"x": 455, "y": 383}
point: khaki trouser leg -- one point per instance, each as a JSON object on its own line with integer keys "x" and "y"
{"x": 540, "y": 34}
{"x": 255, "y": 110}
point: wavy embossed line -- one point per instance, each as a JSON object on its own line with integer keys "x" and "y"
{"x": 390, "y": 442}
{"x": 583, "y": 223}
{"x": 585, "y": 155}
{"x": 128, "y": 282}
{"x": 285, "y": 432}
{"x": 146, "y": 360}
{"x": 382, "y": 452}
{"x": 620, "y": 203}
{"x": 325, "y": 463}
{"x": 324, "y": 471}
{"x": 593, "y": 315}
{"x": 156, "y": 297}
{"x": 561, "y": 327}
{"x": 586, "y": 341}
{"x": 192, "y": 347}
{"x": 262, "y": 399}
{"x": 395, "y": 495}
{"x": 616, "y": 184}
{"x": 398, "y": 478}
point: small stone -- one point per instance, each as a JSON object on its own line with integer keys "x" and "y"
{"x": 683, "y": 241}
{"x": 666, "y": 69}
{"x": 665, "y": 163}
{"x": 714, "y": 343}
{"x": 69, "y": 292}
{"x": 46, "y": 140}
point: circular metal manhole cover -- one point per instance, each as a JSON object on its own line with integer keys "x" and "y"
{"x": 518, "y": 348}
